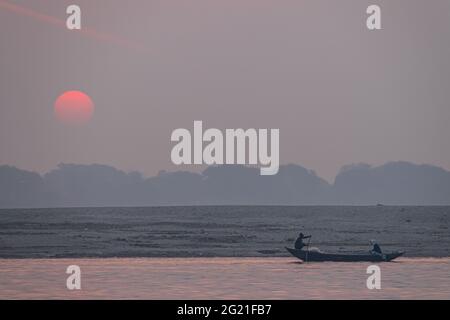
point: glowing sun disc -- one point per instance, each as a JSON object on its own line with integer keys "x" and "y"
{"x": 74, "y": 107}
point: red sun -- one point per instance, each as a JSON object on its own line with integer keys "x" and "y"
{"x": 74, "y": 107}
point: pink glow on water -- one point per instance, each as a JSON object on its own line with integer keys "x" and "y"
{"x": 222, "y": 278}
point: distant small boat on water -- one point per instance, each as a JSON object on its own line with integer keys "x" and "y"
{"x": 307, "y": 255}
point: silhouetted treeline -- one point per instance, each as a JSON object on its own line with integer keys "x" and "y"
{"x": 395, "y": 183}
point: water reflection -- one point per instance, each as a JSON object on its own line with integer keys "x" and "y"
{"x": 222, "y": 278}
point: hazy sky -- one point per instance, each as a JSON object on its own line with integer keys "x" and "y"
{"x": 339, "y": 93}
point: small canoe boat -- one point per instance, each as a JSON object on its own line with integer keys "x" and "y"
{"x": 340, "y": 257}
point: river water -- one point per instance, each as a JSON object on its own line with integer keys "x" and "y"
{"x": 235, "y": 231}
{"x": 222, "y": 278}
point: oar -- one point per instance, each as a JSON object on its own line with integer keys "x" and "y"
{"x": 307, "y": 248}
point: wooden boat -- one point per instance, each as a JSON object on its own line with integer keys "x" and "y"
{"x": 341, "y": 257}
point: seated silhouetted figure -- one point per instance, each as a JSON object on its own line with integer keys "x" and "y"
{"x": 299, "y": 244}
{"x": 376, "y": 248}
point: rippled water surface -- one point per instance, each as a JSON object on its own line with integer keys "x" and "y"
{"x": 219, "y": 231}
{"x": 222, "y": 278}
